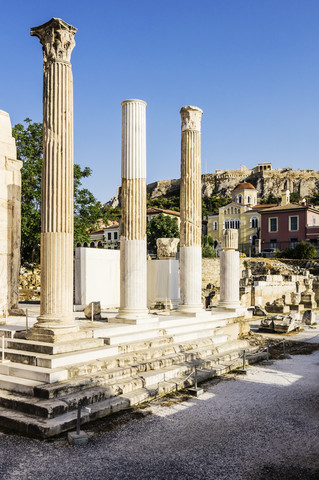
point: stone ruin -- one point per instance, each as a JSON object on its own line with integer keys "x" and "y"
{"x": 10, "y": 217}
{"x": 61, "y": 363}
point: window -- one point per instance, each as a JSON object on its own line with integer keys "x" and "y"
{"x": 109, "y": 236}
{"x": 254, "y": 222}
{"x": 293, "y": 224}
{"x": 273, "y": 243}
{"x": 92, "y": 245}
{"x": 215, "y": 226}
{"x": 293, "y": 242}
{"x": 99, "y": 245}
{"x": 313, "y": 221}
{"x": 273, "y": 224}
{"x": 240, "y": 199}
{"x": 248, "y": 199}
{"x": 227, "y": 224}
{"x": 115, "y": 235}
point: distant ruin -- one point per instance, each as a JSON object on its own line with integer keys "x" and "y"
{"x": 263, "y": 177}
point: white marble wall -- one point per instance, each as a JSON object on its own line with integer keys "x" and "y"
{"x": 97, "y": 277}
{"x": 162, "y": 283}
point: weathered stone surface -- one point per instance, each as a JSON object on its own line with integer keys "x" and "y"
{"x": 281, "y": 323}
{"x": 224, "y": 181}
{"x": 57, "y": 39}
{"x": 10, "y": 216}
{"x": 133, "y": 281}
{"x": 96, "y": 310}
{"x": 259, "y": 311}
{"x": 309, "y": 317}
{"x": 191, "y": 211}
{"x": 230, "y": 239}
{"x": 167, "y": 247}
{"x": 278, "y": 306}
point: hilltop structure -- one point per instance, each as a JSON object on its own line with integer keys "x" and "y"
{"x": 266, "y": 180}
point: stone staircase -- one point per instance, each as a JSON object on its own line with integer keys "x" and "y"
{"x": 120, "y": 366}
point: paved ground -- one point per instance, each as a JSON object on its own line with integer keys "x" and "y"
{"x": 260, "y": 427}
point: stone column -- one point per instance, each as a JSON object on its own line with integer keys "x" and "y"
{"x": 133, "y": 283}
{"x": 229, "y": 270}
{"x": 56, "y": 314}
{"x": 191, "y": 212}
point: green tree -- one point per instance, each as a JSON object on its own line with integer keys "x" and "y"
{"x": 161, "y": 226}
{"x": 210, "y": 205}
{"x": 271, "y": 199}
{"x": 294, "y": 197}
{"x": 302, "y": 251}
{"x": 87, "y": 210}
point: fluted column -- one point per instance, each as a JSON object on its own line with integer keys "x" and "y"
{"x": 191, "y": 211}
{"x": 229, "y": 270}
{"x": 57, "y": 39}
{"x": 133, "y": 294}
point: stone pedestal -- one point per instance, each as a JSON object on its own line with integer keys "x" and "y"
{"x": 10, "y": 217}
{"x": 133, "y": 282}
{"x": 56, "y": 317}
{"x": 229, "y": 271}
{"x": 191, "y": 212}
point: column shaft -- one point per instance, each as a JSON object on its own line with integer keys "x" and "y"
{"x": 133, "y": 294}
{"x": 191, "y": 212}
{"x": 57, "y": 193}
{"x": 229, "y": 270}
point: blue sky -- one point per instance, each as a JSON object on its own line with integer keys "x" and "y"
{"x": 251, "y": 65}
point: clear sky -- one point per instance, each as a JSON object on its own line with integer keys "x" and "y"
{"x": 251, "y": 65}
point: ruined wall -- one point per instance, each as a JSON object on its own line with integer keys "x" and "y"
{"x": 10, "y": 216}
{"x": 223, "y": 182}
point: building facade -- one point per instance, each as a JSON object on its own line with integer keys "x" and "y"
{"x": 242, "y": 214}
{"x": 288, "y": 224}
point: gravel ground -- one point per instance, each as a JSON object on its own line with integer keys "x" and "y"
{"x": 255, "y": 427}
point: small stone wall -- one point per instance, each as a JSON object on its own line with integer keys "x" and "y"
{"x": 29, "y": 283}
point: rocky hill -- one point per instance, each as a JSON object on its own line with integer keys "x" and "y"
{"x": 268, "y": 181}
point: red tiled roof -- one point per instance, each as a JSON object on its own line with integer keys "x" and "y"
{"x": 246, "y": 186}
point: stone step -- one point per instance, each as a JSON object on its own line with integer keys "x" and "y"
{"x": 45, "y": 418}
{"x": 31, "y": 372}
{"x": 125, "y": 372}
{"x": 107, "y": 330}
{"x": 61, "y": 359}
{"x": 53, "y": 348}
{"x": 44, "y": 428}
{"x": 18, "y": 385}
{"x": 177, "y": 325}
{"x": 76, "y": 384}
{"x": 143, "y": 344}
{"x": 213, "y": 334}
{"x": 130, "y": 337}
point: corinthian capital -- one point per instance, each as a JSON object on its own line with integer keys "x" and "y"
{"x": 57, "y": 39}
{"x": 191, "y": 118}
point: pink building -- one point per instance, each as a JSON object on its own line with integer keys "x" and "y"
{"x": 285, "y": 225}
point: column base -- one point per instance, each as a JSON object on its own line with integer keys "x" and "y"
{"x": 231, "y": 307}
{"x": 134, "y": 317}
{"x": 193, "y": 308}
{"x": 54, "y": 328}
